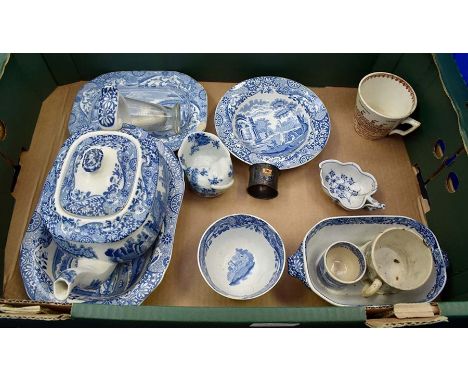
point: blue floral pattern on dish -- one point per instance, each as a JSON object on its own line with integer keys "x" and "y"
{"x": 239, "y": 266}
{"x": 92, "y": 108}
{"x": 272, "y": 120}
{"x": 41, "y": 260}
{"x": 92, "y": 160}
{"x": 342, "y": 186}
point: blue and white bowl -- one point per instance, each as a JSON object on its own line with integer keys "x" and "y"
{"x": 206, "y": 163}
{"x": 106, "y": 194}
{"x": 241, "y": 256}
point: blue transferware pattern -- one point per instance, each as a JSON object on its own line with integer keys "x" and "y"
{"x": 94, "y": 103}
{"x": 119, "y": 185}
{"x": 242, "y": 262}
{"x": 240, "y": 265}
{"x": 348, "y": 185}
{"x": 272, "y": 120}
{"x": 341, "y": 187}
{"x": 359, "y": 230}
{"x": 107, "y": 106}
{"x": 41, "y": 261}
{"x": 118, "y": 218}
{"x": 216, "y": 174}
{"x": 92, "y": 160}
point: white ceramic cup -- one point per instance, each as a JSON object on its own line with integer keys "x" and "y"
{"x": 384, "y": 101}
{"x": 341, "y": 264}
{"x": 397, "y": 259}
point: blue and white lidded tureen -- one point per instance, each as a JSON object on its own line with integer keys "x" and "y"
{"x": 103, "y": 198}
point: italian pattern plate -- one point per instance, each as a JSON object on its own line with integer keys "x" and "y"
{"x": 130, "y": 283}
{"x": 360, "y": 230}
{"x": 272, "y": 120}
{"x": 162, "y": 87}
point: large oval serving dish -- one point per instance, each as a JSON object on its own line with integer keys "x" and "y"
{"x": 272, "y": 120}
{"x": 165, "y": 88}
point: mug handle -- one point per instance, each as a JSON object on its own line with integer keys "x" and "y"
{"x": 370, "y": 290}
{"x": 414, "y": 125}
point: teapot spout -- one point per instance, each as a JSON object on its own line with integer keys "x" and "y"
{"x": 88, "y": 274}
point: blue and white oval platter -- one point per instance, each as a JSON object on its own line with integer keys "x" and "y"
{"x": 41, "y": 260}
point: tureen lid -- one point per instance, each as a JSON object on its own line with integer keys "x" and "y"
{"x": 101, "y": 187}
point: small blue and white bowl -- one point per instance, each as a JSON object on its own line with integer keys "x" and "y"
{"x": 206, "y": 163}
{"x": 241, "y": 256}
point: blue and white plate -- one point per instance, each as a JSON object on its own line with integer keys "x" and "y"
{"x": 272, "y": 120}
{"x": 360, "y": 230}
{"x": 162, "y": 87}
{"x": 130, "y": 283}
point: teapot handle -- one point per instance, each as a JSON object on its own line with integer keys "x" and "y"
{"x": 296, "y": 266}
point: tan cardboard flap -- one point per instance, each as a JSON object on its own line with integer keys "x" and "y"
{"x": 300, "y": 205}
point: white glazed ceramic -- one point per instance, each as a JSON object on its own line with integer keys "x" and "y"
{"x": 105, "y": 195}
{"x": 206, "y": 163}
{"x": 341, "y": 264}
{"x": 272, "y": 120}
{"x": 146, "y": 115}
{"x": 241, "y": 256}
{"x": 348, "y": 185}
{"x": 383, "y": 102}
{"x": 359, "y": 230}
{"x": 42, "y": 261}
{"x": 398, "y": 260}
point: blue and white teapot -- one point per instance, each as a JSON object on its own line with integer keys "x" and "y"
{"x": 103, "y": 200}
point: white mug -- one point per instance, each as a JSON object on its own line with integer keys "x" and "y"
{"x": 397, "y": 259}
{"x": 383, "y": 102}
